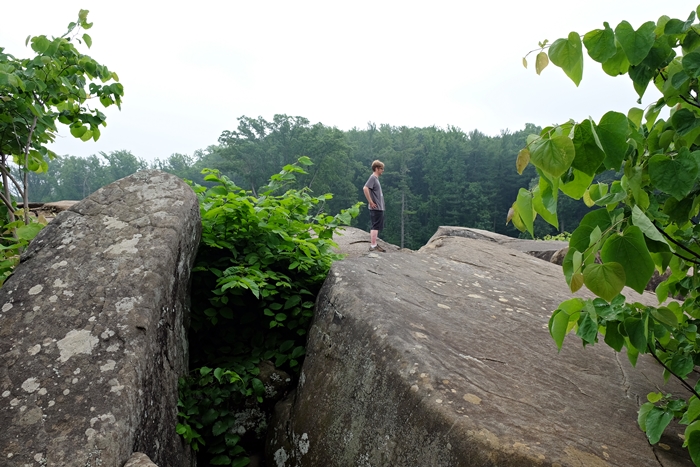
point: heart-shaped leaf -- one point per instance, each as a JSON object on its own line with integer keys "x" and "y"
{"x": 605, "y": 280}
{"x": 636, "y": 44}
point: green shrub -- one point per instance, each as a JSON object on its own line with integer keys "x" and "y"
{"x": 260, "y": 265}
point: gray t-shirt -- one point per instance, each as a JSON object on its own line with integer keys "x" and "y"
{"x": 375, "y": 192}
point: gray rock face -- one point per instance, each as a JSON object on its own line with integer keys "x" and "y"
{"x": 443, "y": 358}
{"x": 139, "y": 459}
{"x": 93, "y": 329}
{"x": 538, "y": 248}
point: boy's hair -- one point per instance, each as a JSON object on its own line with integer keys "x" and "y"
{"x": 377, "y": 164}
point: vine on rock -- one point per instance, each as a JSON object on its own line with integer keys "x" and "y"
{"x": 647, "y": 220}
{"x": 261, "y": 262}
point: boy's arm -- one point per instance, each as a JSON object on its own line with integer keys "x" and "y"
{"x": 372, "y": 204}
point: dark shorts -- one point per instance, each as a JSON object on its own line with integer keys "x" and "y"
{"x": 377, "y": 218}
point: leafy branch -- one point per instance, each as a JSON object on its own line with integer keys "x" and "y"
{"x": 682, "y": 380}
{"x": 660, "y": 165}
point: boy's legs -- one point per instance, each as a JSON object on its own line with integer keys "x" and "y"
{"x": 373, "y": 237}
{"x": 377, "y": 218}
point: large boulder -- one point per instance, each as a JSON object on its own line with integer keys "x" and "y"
{"x": 93, "y": 330}
{"x": 542, "y": 249}
{"x": 443, "y": 358}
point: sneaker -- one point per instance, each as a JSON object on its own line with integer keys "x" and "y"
{"x": 377, "y": 248}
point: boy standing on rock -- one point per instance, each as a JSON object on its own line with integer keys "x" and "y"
{"x": 375, "y": 198}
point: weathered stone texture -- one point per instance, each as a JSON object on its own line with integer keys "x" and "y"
{"x": 93, "y": 331}
{"x": 139, "y": 459}
{"x": 443, "y": 358}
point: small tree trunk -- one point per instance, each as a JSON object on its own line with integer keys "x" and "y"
{"x": 8, "y": 195}
{"x": 403, "y": 208}
{"x": 25, "y": 179}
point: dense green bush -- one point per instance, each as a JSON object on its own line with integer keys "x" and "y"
{"x": 261, "y": 262}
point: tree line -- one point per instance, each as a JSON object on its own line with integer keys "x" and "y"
{"x": 433, "y": 176}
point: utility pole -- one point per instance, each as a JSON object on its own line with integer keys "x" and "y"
{"x": 403, "y": 208}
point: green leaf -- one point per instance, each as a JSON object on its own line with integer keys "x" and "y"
{"x": 691, "y": 64}
{"x": 678, "y": 211}
{"x": 545, "y": 202}
{"x": 692, "y": 439}
{"x": 693, "y": 411}
{"x": 665, "y": 316}
{"x": 40, "y": 44}
{"x": 88, "y": 40}
{"x": 617, "y": 64}
{"x": 613, "y": 337}
{"x": 522, "y": 160}
{"x": 637, "y": 330}
{"x": 258, "y": 387}
{"x": 600, "y": 43}
{"x": 298, "y": 351}
{"x": 617, "y": 194}
{"x": 636, "y": 44}
{"x": 613, "y": 131}
{"x": 29, "y": 232}
{"x": 222, "y": 459}
{"x": 523, "y": 204}
{"x": 635, "y": 115}
{"x": 684, "y": 121}
{"x": 605, "y": 280}
{"x": 576, "y": 187}
{"x": 630, "y": 251}
{"x": 675, "y": 176}
{"x": 568, "y": 55}
{"x": 642, "y": 415}
{"x": 656, "y": 422}
{"x": 676, "y": 26}
{"x": 681, "y": 365}
{"x": 78, "y": 131}
{"x": 588, "y": 154}
{"x": 219, "y": 427}
{"x": 587, "y": 328}
{"x": 8, "y": 79}
{"x": 552, "y": 155}
{"x": 559, "y": 322}
{"x": 210, "y": 416}
{"x": 646, "y": 226}
{"x": 632, "y": 354}
{"x": 581, "y": 237}
{"x": 86, "y": 136}
{"x": 541, "y": 62}
{"x": 293, "y": 300}
{"x": 241, "y": 462}
{"x": 286, "y": 345}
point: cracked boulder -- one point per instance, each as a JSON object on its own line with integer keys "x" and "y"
{"x": 443, "y": 358}
{"x": 93, "y": 330}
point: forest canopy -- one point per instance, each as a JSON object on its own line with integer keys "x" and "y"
{"x": 433, "y": 176}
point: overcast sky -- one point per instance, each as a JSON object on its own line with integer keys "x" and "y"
{"x": 190, "y": 70}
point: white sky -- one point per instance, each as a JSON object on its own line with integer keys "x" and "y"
{"x": 190, "y": 70}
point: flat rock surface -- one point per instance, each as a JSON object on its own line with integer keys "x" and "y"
{"x": 355, "y": 242}
{"x": 93, "y": 330}
{"x": 443, "y": 358}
